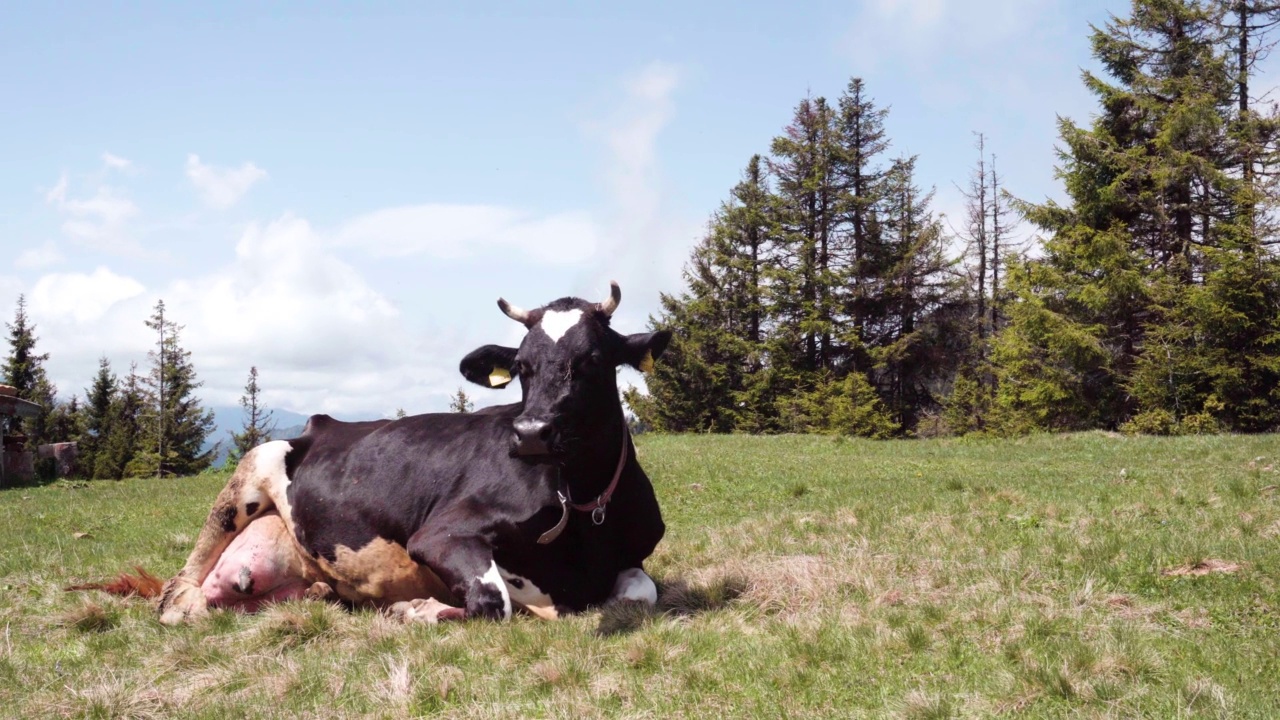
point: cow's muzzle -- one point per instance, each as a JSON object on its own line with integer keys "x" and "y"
{"x": 533, "y": 437}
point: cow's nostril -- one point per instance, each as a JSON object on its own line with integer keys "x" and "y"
{"x": 532, "y": 436}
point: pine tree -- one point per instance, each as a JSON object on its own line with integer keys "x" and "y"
{"x": 177, "y": 425}
{"x": 258, "y": 423}
{"x": 24, "y": 370}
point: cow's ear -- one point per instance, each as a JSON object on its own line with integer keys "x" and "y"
{"x": 489, "y": 366}
{"x": 640, "y": 350}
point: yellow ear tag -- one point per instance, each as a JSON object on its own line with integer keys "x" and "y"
{"x": 499, "y": 377}
{"x": 646, "y": 365}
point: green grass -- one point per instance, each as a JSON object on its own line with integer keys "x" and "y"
{"x": 801, "y": 577}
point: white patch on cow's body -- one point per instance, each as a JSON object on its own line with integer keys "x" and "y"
{"x": 555, "y": 323}
{"x": 269, "y": 463}
{"x": 634, "y": 584}
{"x": 494, "y": 578}
{"x": 529, "y": 596}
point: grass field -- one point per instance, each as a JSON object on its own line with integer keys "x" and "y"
{"x": 1070, "y": 576}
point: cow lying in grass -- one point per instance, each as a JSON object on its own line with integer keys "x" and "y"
{"x": 540, "y": 505}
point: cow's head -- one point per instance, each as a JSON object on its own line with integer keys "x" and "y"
{"x": 567, "y": 365}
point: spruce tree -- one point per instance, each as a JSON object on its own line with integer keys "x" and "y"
{"x": 860, "y": 178}
{"x": 124, "y": 434}
{"x": 177, "y": 425}
{"x": 1156, "y": 246}
{"x": 258, "y": 423}
{"x": 914, "y": 339}
{"x": 803, "y": 163}
{"x": 24, "y": 370}
{"x": 720, "y": 324}
{"x": 97, "y": 417}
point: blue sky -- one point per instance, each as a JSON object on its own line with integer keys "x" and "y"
{"x": 338, "y": 193}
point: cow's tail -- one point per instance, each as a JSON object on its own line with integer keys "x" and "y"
{"x": 144, "y": 585}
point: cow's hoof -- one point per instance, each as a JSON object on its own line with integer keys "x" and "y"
{"x": 320, "y": 591}
{"x": 425, "y": 610}
{"x": 181, "y": 601}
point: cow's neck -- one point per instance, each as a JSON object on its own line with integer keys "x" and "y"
{"x": 592, "y": 468}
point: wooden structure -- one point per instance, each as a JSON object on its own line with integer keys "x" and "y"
{"x": 17, "y": 463}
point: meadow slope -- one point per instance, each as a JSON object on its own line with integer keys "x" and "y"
{"x": 1086, "y": 575}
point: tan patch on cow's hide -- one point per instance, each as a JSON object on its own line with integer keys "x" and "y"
{"x": 382, "y": 573}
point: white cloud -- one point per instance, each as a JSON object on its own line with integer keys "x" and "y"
{"x": 457, "y": 231}
{"x": 98, "y": 221}
{"x": 35, "y": 258}
{"x": 309, "y": 321}
{"x": 632, "y": 141}
{"x": 648, "y": 239}
{"x": 115, "y": 162}
{"x": 79, "y": 297}
{"x": 221, "y": 188}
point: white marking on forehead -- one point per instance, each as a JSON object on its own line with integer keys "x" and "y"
{"x": 555, "y": 323}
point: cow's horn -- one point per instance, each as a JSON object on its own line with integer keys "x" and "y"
{"x": 518, "y": 314}
{"x": 615, "y": 296}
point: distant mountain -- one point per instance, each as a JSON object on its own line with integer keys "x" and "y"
{"x": 230, "y": 418}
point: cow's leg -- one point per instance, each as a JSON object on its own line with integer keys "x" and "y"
{"x": 465, "y": 564}
{"x": 634, "y": 585}
{"x": 257, "y": 486}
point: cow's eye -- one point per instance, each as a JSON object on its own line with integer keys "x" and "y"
{"x": 521, "y": 368}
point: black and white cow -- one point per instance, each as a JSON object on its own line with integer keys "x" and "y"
{"x": 539, "y": 505}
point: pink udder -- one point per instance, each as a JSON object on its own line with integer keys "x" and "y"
{"x": 260, "y": 566}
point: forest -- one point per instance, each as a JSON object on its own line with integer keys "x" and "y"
{"x": 828, "y": 296}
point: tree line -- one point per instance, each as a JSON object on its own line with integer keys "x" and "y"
{"x": 827, "y": 295}
{"x": 135, "y": 425}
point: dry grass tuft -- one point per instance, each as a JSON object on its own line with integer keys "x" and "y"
{"x": 893, "y": 598}
{"x": 290, "y": 625}
{"x": 920, "y": 705}
{"x": 90, "y": 617}
{"x": 1203, "y": 695}
{"x": 107, "y": 695}
{"x": 797, "y": 583}
{"x": 1204, "y": 567}
{"x": 398, "y": 685}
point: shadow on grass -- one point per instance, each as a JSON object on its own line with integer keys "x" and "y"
{"x": 676, "y": 598}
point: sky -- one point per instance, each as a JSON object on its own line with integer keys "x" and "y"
{"x": 338, "y": 193}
